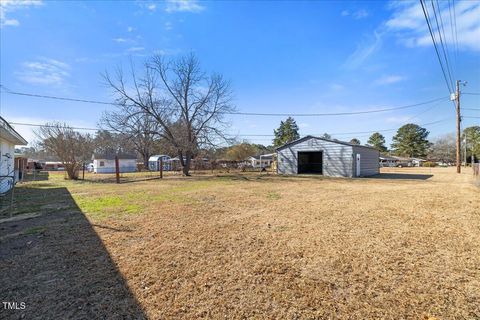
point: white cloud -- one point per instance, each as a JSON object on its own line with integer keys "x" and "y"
{"x": 357, "y": 14}
{"x": 409, "y": 25}
{"x": 120, "y": 40}
{"x": 44, "y": 72}
{"x": 183, "y": 6}
{"x": 364, "y": 50}
{"x": 10, "y": 22}
{"x": 360, "y": 14}
{"x": 390, "y": 79}
{"x": 135, "y": 49}
{"x": 8, "y": 6}
{"x": 130, "y": 29}
{"x": 168, "y": 26}
{"x": 152, "y": 7}
{"x": 164, "y": 52}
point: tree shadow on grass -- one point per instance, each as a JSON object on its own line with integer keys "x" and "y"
{"x": 58, "y": 266}
{"x": 402, "y": 176}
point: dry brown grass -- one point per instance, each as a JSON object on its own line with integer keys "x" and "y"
{"x": 268, "y": 247}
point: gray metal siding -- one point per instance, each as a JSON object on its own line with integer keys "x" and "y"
{"x": 337, "y": 158}
{"x": 369, "y": 161}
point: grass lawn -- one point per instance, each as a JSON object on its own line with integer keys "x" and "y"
{"x": 404, "y": 245}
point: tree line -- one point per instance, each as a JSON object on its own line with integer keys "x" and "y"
{"x": 411, "y": 140}
{"x": 174, "y": 107}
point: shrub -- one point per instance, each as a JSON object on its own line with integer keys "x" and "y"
{"x": 429, "y": 164}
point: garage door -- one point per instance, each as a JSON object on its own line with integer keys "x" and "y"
{"x": 310, "y": 162}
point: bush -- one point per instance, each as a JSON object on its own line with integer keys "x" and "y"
{"x": 429, "y": 164}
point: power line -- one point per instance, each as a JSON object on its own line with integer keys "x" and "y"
{"x": 455, "y": 25}
{"x": 451, "y": 26}
{"x": 472, "y": 93}
{"x": 427, "y": 18}
{"x": 471, "y": 117}
{"x": 362, "y": 133}
{"x": 231, "y": 135}
{"x": 52, "y": 126}
{"x": 239, "y": 113}
{"x": 54, "y": 97}
{"x": 471, "y": 109}
{"x": 444, "y": 42}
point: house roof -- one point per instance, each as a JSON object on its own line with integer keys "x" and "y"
{"x": 157, "y": 157}
{"x": 111, "y": 156}
{"x": 388, "y": 158}
{"x": 401, "y": 158}
{"x": 8, "y": 133}
{"x": 264, "y": 156}
{"x": 328, "y": 140}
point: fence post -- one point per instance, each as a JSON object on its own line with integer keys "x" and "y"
{"x": 161, "y": 168}
{"x": 117, "y": 170}
{"x": 83, "y": 172}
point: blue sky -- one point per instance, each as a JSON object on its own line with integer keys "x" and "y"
{"x": 281, "y": 57}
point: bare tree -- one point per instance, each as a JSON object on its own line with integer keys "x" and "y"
{"x": 71, "y": 147}
{"x": 187, "y": 104}
{"x": 443, "y": 149}
{"x": 139, "y": 129}
{"x": 111, "y": 142}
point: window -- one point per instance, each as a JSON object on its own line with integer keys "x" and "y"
{"x": 102, "y": 163}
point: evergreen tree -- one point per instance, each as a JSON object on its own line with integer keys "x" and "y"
{"x": 473, "y": 141}
{"x": 286, "y": 132}
{"x": 411, "y": 140}
{"x": 377, "y": 141}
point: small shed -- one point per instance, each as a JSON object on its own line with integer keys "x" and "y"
{"x": 314, "y": 155}
{"x": 154, "y": 162}
{"x": 260, "y": 161}
{"x": 105, "y": 163}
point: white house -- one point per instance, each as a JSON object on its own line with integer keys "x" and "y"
{"x": 417, "y": 162}
{"x": 105, "y": 163}
{"x": 260, "y": 161}
{"x": 386, "y": 161}
{"x": 393, "y": 161}
{"x": 9, "y": 138}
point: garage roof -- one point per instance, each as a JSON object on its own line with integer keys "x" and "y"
{"x": 329, "y": 140}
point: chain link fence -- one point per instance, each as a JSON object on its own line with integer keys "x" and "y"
{"x": 171, "y": 169}
{"x": 7, "y": 184}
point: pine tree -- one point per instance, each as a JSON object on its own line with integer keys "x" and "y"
{"x": 411, "y": 140}
{"x": 286, "y": 132}
{"x": 377, "y": 141}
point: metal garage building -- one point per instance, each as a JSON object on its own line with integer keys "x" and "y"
{"x": 313, "y": 155}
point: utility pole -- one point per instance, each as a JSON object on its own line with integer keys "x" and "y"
{"x": 457, "y": 107}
